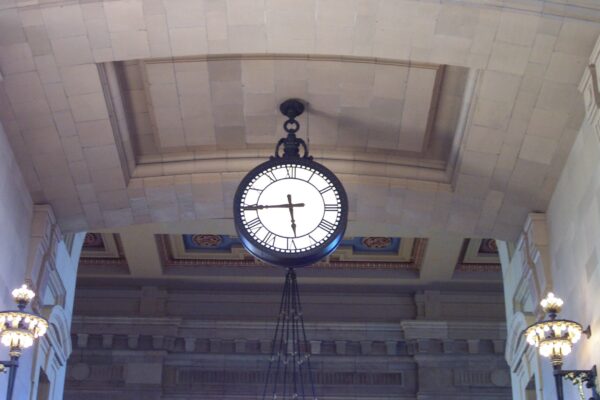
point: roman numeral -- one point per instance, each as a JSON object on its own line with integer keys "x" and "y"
{"x": 290, "y": 244}
{"x": 271, "y": 176}
{"x": 326, "y": 226}
{"x": 291, "y": 171}
{"x": 311, "y": 175}
{"x": 270, "y": 238}
{"x": 254, "y": 224}
{"x": 325, "y": 190}
{"x": 312, "y": 239}
{"x": 258, "y": 190}
{"x": 332, "y": 207}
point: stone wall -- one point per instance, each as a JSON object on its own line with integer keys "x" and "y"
{"x": 558, "y": 251}
{"x": 16, "y": 210}
{"x": 574, "y": 225}
{"x": 33, "y": 250}
{"x": 428, "y": 345}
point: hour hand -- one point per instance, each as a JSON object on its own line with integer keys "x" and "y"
{"x": 291, "y": 209}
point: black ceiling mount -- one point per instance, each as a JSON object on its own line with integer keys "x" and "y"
{"x": 291, "y": 108}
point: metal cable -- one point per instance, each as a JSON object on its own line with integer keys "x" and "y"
{"x": 310, "y": 375}
{"x": 273, "y": 342}
{"x": 289, "y": 344}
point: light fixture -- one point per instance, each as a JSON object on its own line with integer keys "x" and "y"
{"x": 554, "y": 339}
{"x": 19, "y": 330}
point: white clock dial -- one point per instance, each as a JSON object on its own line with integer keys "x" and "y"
{"x": 290, "y": 208}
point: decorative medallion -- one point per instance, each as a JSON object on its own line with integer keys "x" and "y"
{"x": 93, "y": 241}
{"x": 182, "y": 253}
{"x": 488, "y": 246}
{"x": 377, "y": 242}
{"x": 479, "y": 255}
{"x": 207, "y": 241}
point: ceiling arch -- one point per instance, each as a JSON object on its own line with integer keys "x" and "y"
{"x": 525, "y": 62}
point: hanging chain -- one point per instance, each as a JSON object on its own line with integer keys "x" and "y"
{"x": 289, "y": 364}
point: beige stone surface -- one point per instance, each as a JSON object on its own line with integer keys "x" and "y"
{"x": 529, "y": 56}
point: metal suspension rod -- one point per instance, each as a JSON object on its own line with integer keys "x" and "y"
{"x": 300, "y": 358}
{"x": 12, "y": 374}
{"x": 286, "y": 347}
{"x": 286, "y": 293}
{"x": 273, "y": 342}
{"x": 289, "y": 345}
{"x": 309, "y": 368}
{"x": 295, "y": 349}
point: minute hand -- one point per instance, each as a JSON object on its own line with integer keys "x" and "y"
{"x": 260, "y": 207}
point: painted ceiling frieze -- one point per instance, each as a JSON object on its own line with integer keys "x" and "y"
{"x": 103, "y": 250}
{"x": 371, "y": 252}
{"x": 479, "y": 255}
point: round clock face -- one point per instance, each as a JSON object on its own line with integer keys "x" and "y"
{"x": 290, "y": 213}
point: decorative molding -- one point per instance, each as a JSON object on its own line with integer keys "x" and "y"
{"x": 533, "y": 246}
{"x": 45, "y": 236}
{"x": 241, "y": 337}
{"x": 173, "y": 253}
{"x": 590, "y": 88}
{"x": 48, "y": 280}
{"x": 478, "y": 255}
{"x": 187, "y": 376}
{"x": 103, "y": 251}
{"x": 394, "y": 164}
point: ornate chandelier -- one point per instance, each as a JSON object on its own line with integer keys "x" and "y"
{"x": 18, "y": 330}
{"x": 554, "y": 338}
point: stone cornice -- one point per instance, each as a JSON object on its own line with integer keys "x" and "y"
{"x": 423, "y": 329}
{"x": 556, "y": 8}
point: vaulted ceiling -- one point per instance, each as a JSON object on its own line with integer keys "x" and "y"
{"x": 438, "y": 117}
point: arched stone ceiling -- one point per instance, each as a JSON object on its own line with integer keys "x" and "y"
{"x": 524, "y": 61}
{"x": 365, "y": 116}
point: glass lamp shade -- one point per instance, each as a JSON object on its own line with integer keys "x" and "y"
{"x": 23, "y": 294}
{"x": 551, "y": 304}
{"x": 555, "y": 349}
{"x": 19, "y": 329}
{"x": 554, "y": 338}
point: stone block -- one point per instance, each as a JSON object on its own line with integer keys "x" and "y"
{"x": 215, "y": 345}
{"x": 157, "y": 342}
{"x": 340, "y": 347}
{"x": 133, "y": 341}
{"x": 107, "y": 341}
{"x": 366, "y": 347}
{"x": 315, "y": 347}
{"x": 473, "y": 346}
{"x": 149, "y": 373}
{"x": 190, "y": 344}
{"x": 82, "y": 340}
{"x": 240, "y": 345}
{"x": 391, "y": 347}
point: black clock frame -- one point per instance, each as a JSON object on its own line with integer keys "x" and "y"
{"x": 291, "y": 155}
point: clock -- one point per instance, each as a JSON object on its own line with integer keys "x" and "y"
{"x": 290, "y": 211}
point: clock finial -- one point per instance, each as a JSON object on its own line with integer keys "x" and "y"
{"x": 291, "y": 108}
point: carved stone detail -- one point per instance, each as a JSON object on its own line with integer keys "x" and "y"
{"x": 315, "y": 347}
{"x": 133, "y": 341}
{"x": 107, "y": 341}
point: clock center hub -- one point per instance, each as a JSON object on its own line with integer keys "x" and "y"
{"x": 306, "y": 203}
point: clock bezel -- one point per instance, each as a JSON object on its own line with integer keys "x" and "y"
{"x": 303, "y": 258}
